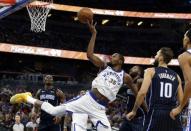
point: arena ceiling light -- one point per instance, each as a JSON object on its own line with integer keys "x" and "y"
{"x": 75, "y": 18}
{"x": 140, "y": 23}
{"x": 129, "y": 23}
{"x": 104, "y": 21}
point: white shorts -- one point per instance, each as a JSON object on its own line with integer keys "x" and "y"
{"x": 86, "y": 104}
{"x": 80, "y": 120}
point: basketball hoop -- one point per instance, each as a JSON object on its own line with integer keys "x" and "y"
{"x": 38, "y": 12}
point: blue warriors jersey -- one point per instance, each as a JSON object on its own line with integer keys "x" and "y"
{"x": 50, "y": 97}
{"x": 163, "y": 89}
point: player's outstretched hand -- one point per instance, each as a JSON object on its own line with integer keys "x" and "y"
{"x": 130, "y": 115}
{"x": 92, "y": 27}
{"x": 174, "y": 112}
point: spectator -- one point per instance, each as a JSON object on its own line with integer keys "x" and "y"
{"x": 32, "y": 123}
{"x": 8, "y": 121}
{"x": 18, "y": 126}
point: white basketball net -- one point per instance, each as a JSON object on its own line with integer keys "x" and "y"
{"x": 38, "y": 12}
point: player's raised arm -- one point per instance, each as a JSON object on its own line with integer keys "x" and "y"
{"x": 90, "y": 51}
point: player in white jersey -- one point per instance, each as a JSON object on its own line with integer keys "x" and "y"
{"x": 104, "y": 89}
{"x": 185, "y": 63}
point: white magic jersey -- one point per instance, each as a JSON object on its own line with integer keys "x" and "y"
{"x": 108, "y": 82}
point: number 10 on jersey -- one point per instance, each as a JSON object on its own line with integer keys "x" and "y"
{"x": 165, "y": 90}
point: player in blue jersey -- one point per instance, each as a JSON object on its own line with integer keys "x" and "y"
{"x": 54, "y": 96}
{"x": 165, "y": 91}
{"x": 136, "y": 72}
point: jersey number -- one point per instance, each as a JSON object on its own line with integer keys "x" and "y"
{"x": 112, "y": 81}
{"x": 165, "y": 90}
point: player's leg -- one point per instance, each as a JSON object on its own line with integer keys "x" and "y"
{"x": 101, "y": 122}
{"x": 95, "y": 109}
{"x": 78, "y": 105}
{"x": 96, "y": 112}
{"x": 79, "y": 122}
{"x": 167, "y": 123}
{"x": 176, "y": 124}
{"x": 149, "y": 124}
{"x": 47, "y": 107}
{"x": 99, "y": 118}
{"x": 160, "y": 120}
{"x": 76, "y": 127}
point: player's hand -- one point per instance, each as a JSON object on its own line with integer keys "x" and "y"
{"x": 92, "y": 27}
{"x": 57, "y": 120}
{"x": 130, "y": 115}
{"x": 174, "y": 112}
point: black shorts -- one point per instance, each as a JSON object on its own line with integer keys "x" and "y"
{"x": 49, "y": 128}
{"x": 133, "y": 125}
{"x": 160, "y": 120}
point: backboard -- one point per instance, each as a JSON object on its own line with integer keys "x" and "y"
{"x": 7, "y": 9}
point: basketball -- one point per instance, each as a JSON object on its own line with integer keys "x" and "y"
{"x": 84, "y": 15}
